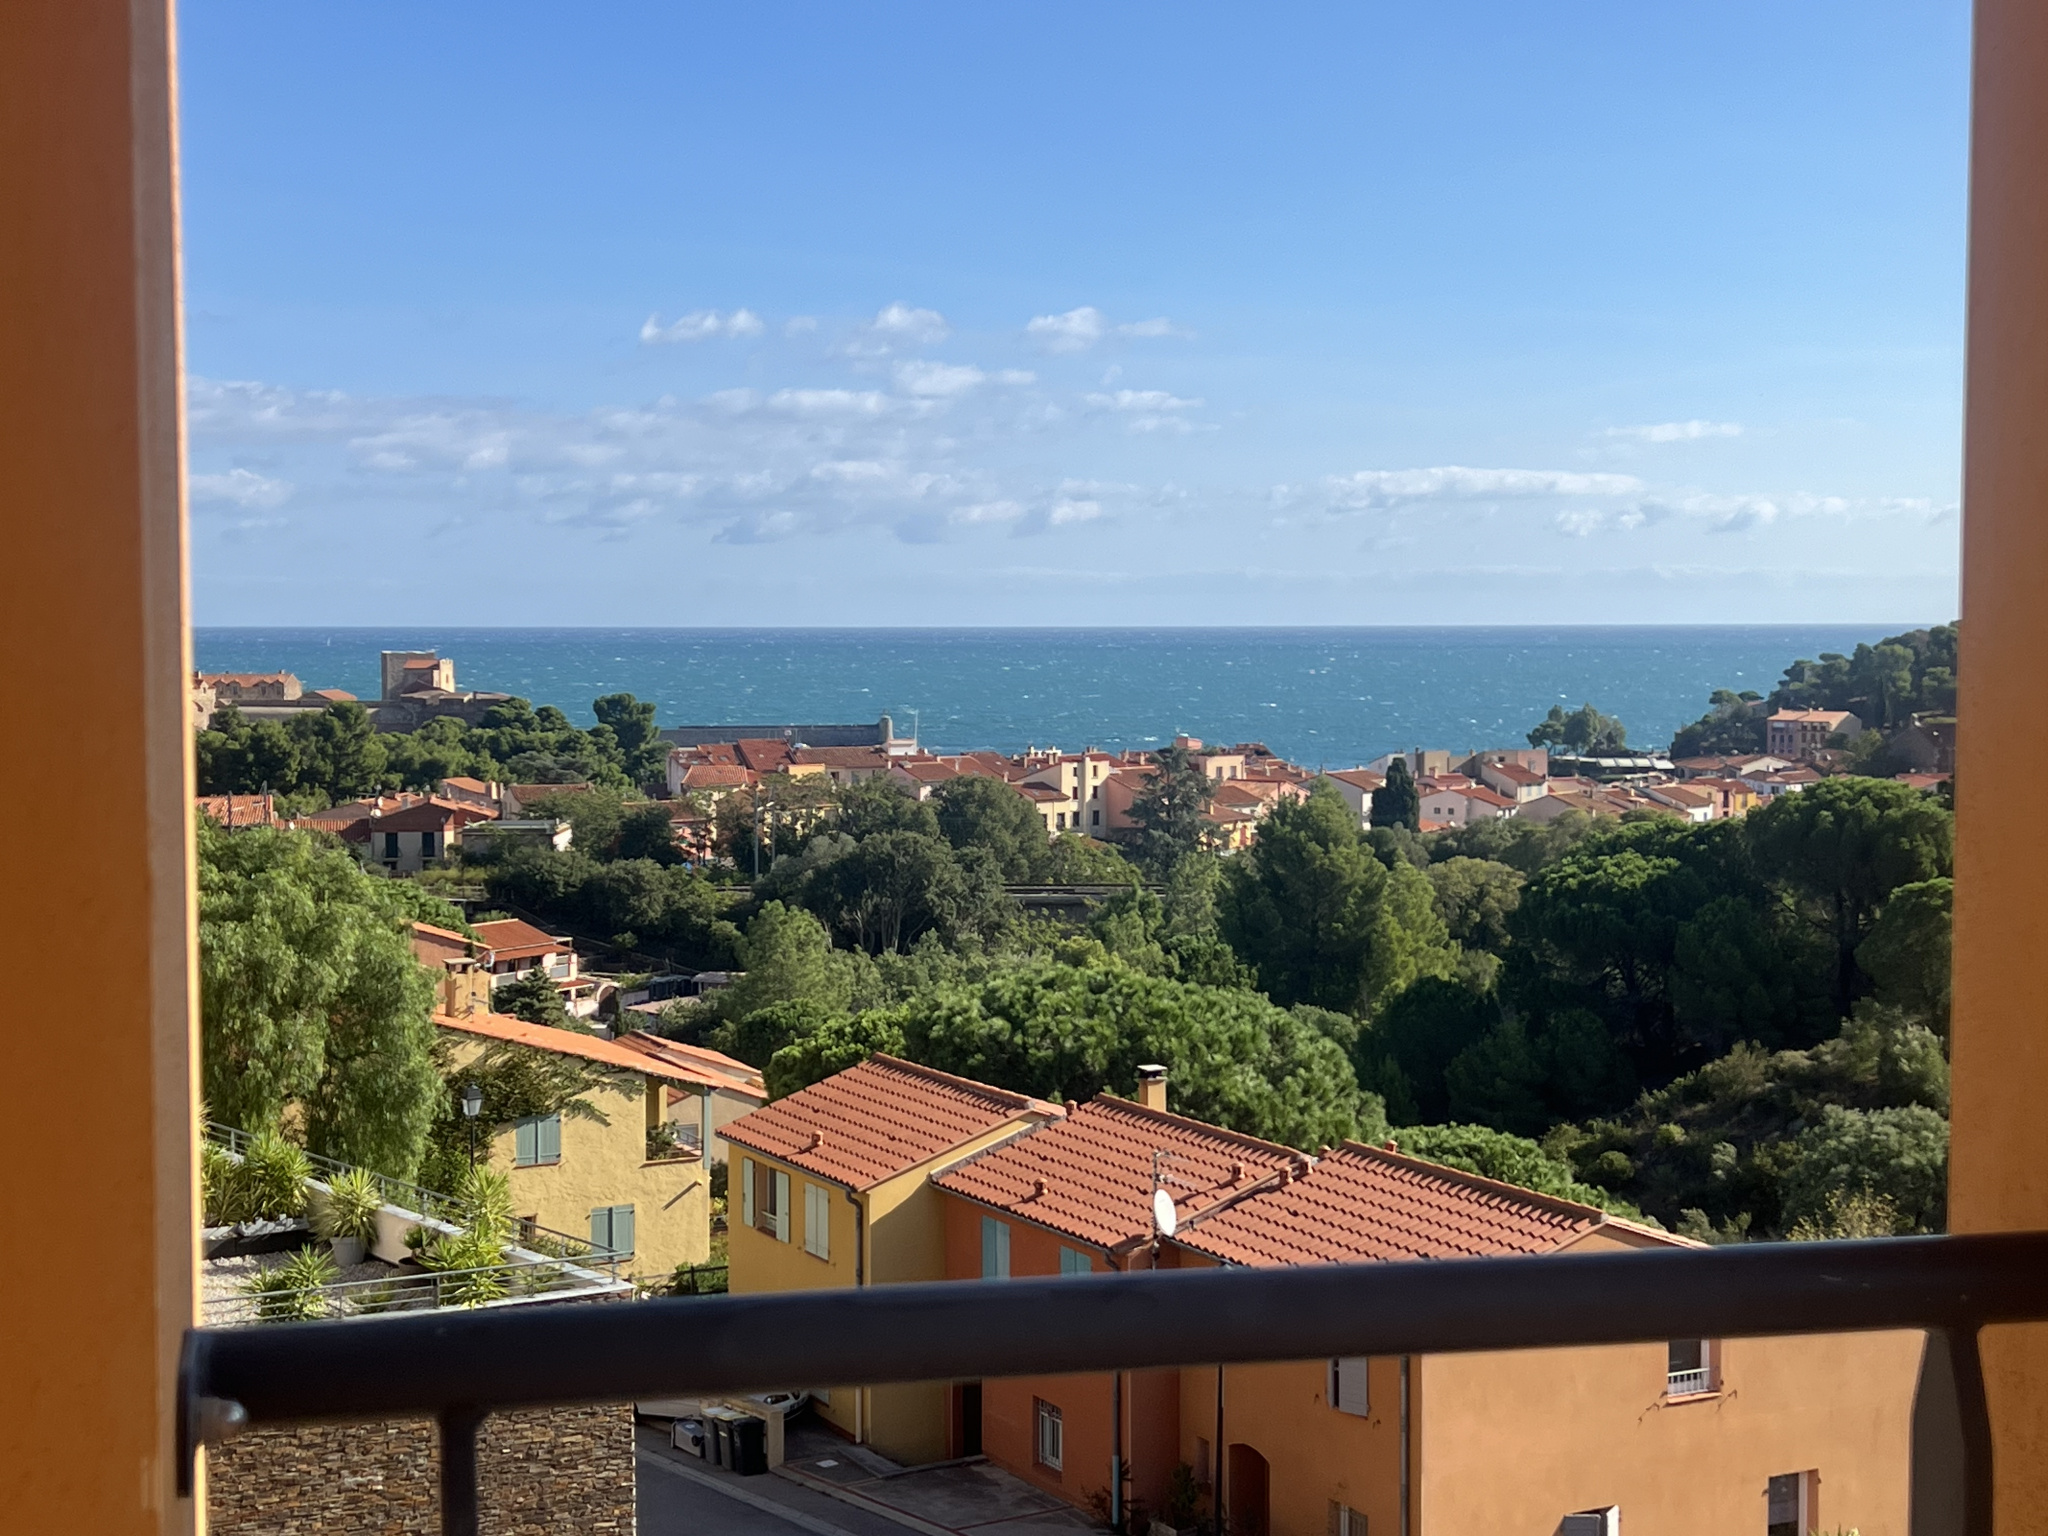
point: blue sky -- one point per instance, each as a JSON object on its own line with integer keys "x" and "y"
{"x": 1371, "y": 313}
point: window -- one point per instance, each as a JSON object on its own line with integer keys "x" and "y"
{"x": 426, "y": 845}
{"x": 1095, "y": 818}
{"x": 390, "y": 845}
{"x": 747, "y": 1191}
{"x": 1348, "y": 1387}
{"x": 611, "y": 1228}
{"x": 536, "y": 1140}
{"x": 1345, "y": 1521}
{"x": 1203, "y": 1475}
{"x": 818, "y": 1221}
{"x": 1690, "y": 1368}
{"x": 771, "y": 1203}
{"x": 995, "y": 1249}
{"x": 1592, "y": 1522}
{"x": 1790, "y": 1501}
{"x": 1074, "y": 1262}
{"x": 1049, "y": 1443}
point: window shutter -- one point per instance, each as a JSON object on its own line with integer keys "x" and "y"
{"x": 747, "y": 1190}
{"x": 550, "y": 1139}
{"x": 622, "y": 1228}
{"x": 995, "y": 1249}
{"x": 781, "y": 1207}
{"x": 1348, "y": 1393}
{"x": 525, "y": 1143}
{"x": 601, "y": 1229}
{"x": 1074, "y": 1262}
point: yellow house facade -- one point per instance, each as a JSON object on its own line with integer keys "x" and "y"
{"x": 831, "y": 1187}
{"x": 596, "y": 1180}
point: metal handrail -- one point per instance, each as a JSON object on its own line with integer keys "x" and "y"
{"x": 525, "y": 1279}
{"x": 459, "y": 1366}
{"x": 427, "y": 1202}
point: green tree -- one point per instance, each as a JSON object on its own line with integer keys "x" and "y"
{"x": 880, "y": 805}
{"x": 646, "y": 832}
{"x": 339, "y": 750}
{"x": 1056, "y": 1030}
{"x": 1496, "y": 1155}
{"x": 1397, "y": 802}
{"x": 1837, "y": 850}
{"x": 1907, "y": 953}
{"x": 1475, "y": 898}
{"x": 631, "y": 723}
{"x": 1897, "y": 1155}
{"x": 756, "y": 1037}
{"x": 310, "y": 998}
{"x": 1584, "y": 731}
{"x": 535, "y": 997}
{"x": 1420, "y": 1031}
{"x": 1733, "y": 725}
{"x": 832, "y": 1047}
{"x": 1075, "y": 860}
{"x": 787, "y": 958}
{"x": 975, "y": 811}
{"x": 1171, "y": 811}
{"x": 1321, "y": 919}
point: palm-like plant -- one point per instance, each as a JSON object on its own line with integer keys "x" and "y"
{"x": 350, "y": 1209}
{"x": 290, "y": 1292}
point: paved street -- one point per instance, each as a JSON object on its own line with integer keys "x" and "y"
{"x": 680, "y": 1496}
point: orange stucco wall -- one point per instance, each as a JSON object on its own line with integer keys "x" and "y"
{"x": 91, "y": 498}
{"x": 1998, "y": 1177}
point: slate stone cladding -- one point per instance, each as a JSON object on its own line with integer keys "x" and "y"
{"x": 543, "y": 1473}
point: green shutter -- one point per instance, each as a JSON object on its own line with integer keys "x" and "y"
{"x": 747, "y": 1191}
{"x": 622, "y": 1228}
{"x": 526, "y": 1142}
{"x": 550, "y": 1139}
{"x": 601, "y": 1229}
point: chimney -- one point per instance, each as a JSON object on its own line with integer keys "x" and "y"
{"x": 1152, "y": 1086}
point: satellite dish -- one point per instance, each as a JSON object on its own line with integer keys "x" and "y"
{"x": 1164, "y": 1217}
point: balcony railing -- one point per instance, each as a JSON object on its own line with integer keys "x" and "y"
{"x": 457, "y": 1367}
{"x": 1688, "y": 1383}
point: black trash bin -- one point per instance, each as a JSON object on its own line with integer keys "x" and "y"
{"x": 719, "y": 1440}
{"x": 749, "y": 1446}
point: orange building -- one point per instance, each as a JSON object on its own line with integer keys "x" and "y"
{"x": 1688, "y": 1435}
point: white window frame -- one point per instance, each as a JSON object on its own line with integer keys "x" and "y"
{"x": 1592, "y": 1522}
{"x": 1804, "y": 1485}
{"x": 1346, "y": 1521}
{"x": 1350, "y": 1391}
{"x": 1048, "y": 1434}
{"x": 818, "y": 1221}
{"x": 778, "y": 1203}
{"x": 1700, "y": 1380}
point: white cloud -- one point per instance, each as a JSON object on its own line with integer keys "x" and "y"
{"x": 799, "y": 325}
{"x": 1676, "y": 431}
{"x": 699, "y": 324}
{"x": 829, "y": 402}
{"x": 1075, "y": 512}
{"x": 1075, "y": 331}
{"x": 1142, "y": 400}
{"x": 1375, "y": 488}
{"x": 937, "y": 379}
{"x": 989, "y": 512}
{"x": 240, "y": 488}
{"x": 1160, "y": 326}
{"x": 902, "y": 322}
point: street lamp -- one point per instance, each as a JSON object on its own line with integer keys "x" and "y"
{"x": 472, "y": 1106}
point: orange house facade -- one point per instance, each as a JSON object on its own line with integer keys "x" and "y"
{"x": 1768, "y": 1436}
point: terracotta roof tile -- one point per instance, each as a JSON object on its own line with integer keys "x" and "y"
{"x": 879, "y": 1119}
{"x": 737, "y": 1076}
{"x": 1361, "y": 1204}
{"x": 569, "y": 1042}
{"x": 509, "y": 933}
{"x": 1095, "y": 1169}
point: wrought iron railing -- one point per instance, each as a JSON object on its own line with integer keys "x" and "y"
{"x": 458, "y": 1367}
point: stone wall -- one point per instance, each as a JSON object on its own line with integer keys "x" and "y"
{"x": 543, "y": 1473}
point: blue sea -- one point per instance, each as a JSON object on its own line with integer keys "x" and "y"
{"x": 1323, "y": 697}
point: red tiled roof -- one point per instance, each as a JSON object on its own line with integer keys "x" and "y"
{"x": 842, "y": 757}
{"x": 569, "y": 1042}
{"x": 331, "y": 695}
{"x": 470, "y": 786}
{"x": 1515, "y": 773}
{"x": 432, "y": 816}
{"x": 509, "y": 933}
{"x": 716, "y": 776}
{"x": 239, "y": 810}
{"x": 1360, "y": 1204}
{"x": 1358, "y": 778}
{"x": 1095, "y": 1170}
{"x": 763, "y": 756}
{"x": 879, "y": 1119}
{"x": 1040, "y": 792}
{"x": 736, "y": 1076}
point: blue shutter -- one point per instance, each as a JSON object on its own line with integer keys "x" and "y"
{"x": 995, "y": 1249}
{"x": 601, "y": 1229}
{"x": 747, "y": 1191}
{"x": 622, "y": 1228}
{"x": 550, "y": 1139}
{"x": 526, "y": 1143}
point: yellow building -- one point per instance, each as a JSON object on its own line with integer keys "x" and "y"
{"x": 577, "y": 1175}
{"x": 832, "y": 1187}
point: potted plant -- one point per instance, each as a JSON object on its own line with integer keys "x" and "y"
{"x": 290, "y": 1292}
{"x": 347, "y": 1218}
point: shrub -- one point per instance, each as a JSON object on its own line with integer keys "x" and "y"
{"x": 350, "y": 1209}
{"x": 290, "y": 1292}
